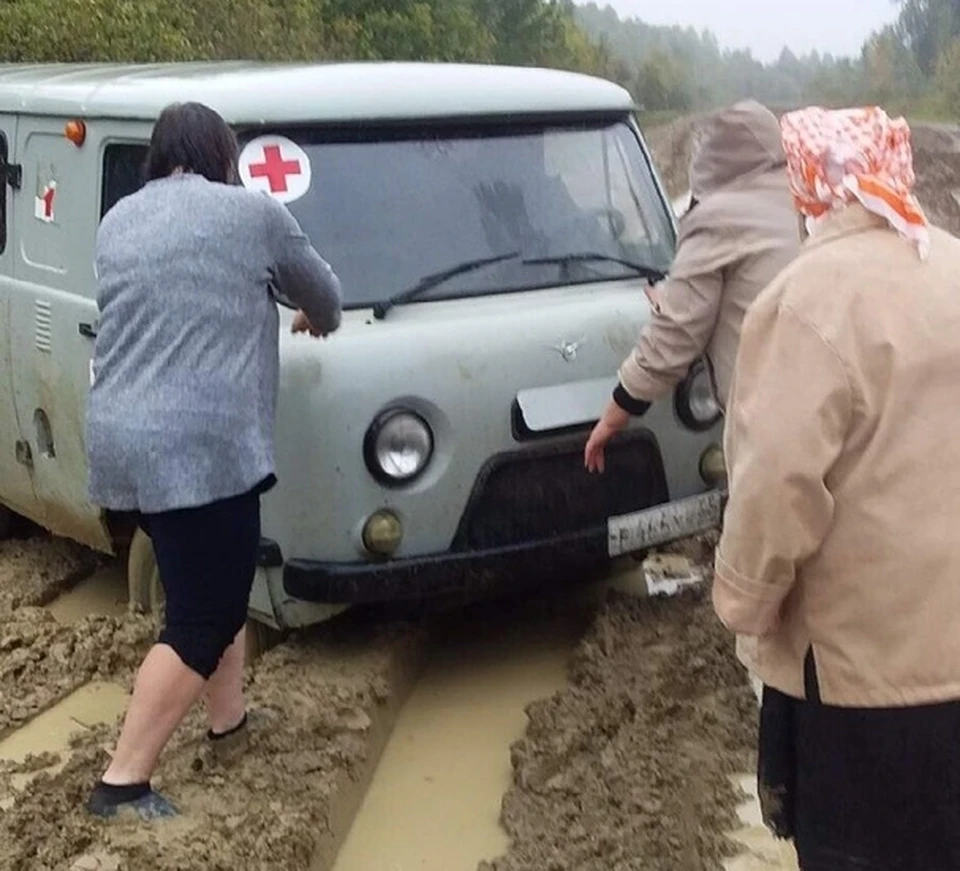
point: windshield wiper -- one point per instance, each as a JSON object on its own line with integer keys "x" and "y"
{"x": 648, "y": 272}
{"x": 428, "y": 282}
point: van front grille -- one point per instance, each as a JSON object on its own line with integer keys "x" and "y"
{"x": 546, "y": 493}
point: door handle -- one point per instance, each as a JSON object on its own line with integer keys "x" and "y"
{"x": 87, "y": 331}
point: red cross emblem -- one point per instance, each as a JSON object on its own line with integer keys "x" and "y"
{"x": 276, "y": 166}
{"x": 275, "y": 169}
{"x": 44, "y": 204}
{"x": 47, "y": 198}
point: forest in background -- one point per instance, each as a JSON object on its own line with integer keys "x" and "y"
{"x": 913, "y": 65}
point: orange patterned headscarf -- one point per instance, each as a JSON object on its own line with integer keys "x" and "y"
{"x": 838, "y": 157}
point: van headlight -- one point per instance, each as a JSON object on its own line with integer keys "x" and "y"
{"x": 398, "y": 446}
{"x": 695, "y": 402}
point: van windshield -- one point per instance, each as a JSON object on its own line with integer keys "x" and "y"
{"x": 390, "y": 207}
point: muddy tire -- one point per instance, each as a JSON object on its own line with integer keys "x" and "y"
{"x": 260, "y": 639}
{"x": 6, "y": 522}
{"x": 143, "y": 576}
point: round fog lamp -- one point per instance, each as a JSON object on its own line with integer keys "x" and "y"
{"x": 695, "y": 402}
{"x": 398, "y": 447}
{"x": 382, "y": 533}
{"x": 713, "y": 469}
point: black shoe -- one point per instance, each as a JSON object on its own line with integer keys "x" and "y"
{"x": 227, "y": 747}
{"x": 108, "y": 801}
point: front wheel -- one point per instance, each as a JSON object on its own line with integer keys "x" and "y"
{"x": 143, "y": 576}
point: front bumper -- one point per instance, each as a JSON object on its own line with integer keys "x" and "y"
{"x": 501, "y": 567}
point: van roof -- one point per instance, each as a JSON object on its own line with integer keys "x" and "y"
{"x": 246, "y": 92}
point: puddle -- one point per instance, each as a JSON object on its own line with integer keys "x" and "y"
{"x": 50, "y": 732}
{"x": 762, "y": 852}
{"x": 104, "y": 593}
{"x": 434, "y": 803}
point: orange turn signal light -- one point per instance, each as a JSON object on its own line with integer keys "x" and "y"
{"x": 76, "y": 132}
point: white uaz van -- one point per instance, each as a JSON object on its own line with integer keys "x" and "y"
{"x": 494, "y": 230}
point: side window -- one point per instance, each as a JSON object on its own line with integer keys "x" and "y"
{"x": 3, "y": 194}
{"x": 122, "y": 173}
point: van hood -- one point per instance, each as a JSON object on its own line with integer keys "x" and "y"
{"x": 733, "y": 143}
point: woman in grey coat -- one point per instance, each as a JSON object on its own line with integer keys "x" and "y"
{"x": 181, "y": 412}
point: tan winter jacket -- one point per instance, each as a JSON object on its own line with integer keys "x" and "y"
{"x": 741, "y": 233}
{"x": 841, "y": 533}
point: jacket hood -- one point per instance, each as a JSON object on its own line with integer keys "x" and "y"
{"x": 741, "y": 140}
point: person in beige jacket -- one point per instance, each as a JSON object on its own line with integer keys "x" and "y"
{"x": 838, "y": 565}
{"x": 739, "y": 233}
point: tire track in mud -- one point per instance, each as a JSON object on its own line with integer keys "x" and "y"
{"x": 43, "y": 660}
{"x": 633, "y": 765}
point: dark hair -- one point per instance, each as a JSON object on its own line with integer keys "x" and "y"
{"x": 194, "y": 138}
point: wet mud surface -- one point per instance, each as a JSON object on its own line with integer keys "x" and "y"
{"x": 624, "y": 768}
{"x": 320, "y": 708}
{"x": 34, "y": 571}
{"x": 41, "y": 660}
{"x": 630, "y": 766}
{"x": 315, "y": 707}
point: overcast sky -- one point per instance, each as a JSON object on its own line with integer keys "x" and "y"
{"x": 836, "y": 26}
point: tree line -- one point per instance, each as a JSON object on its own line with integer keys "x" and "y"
{"x": 912, "y": 64}
{"x": 542, "y": 32}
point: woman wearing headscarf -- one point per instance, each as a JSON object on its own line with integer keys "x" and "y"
{"x": 740, "y": 232}
{"x": 180, "y": 416}
{"x": 837, "y": 566}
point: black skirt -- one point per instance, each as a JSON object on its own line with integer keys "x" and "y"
{"x": 862, "y": 789}
{"x": 207, "y": 557}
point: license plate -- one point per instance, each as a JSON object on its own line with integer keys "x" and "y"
{"x": 562, "y": 405}
{"x": 640, "y": 530}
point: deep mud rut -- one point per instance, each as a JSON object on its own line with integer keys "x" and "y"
{"x": 630, "y": 767}
{"x": 42, "y": 660}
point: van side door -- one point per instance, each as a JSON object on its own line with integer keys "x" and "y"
{"x": 16, "y": 484}
{"x": 53, "y": 312}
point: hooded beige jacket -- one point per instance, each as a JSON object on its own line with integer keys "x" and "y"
{"x": 741, "y": 233}
{"x": 840, "y": 536}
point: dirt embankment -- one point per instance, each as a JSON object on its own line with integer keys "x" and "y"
{"x": 672, "y": 147}
{"x": 936, "y": 151}
{"x": 936, "y": 158}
